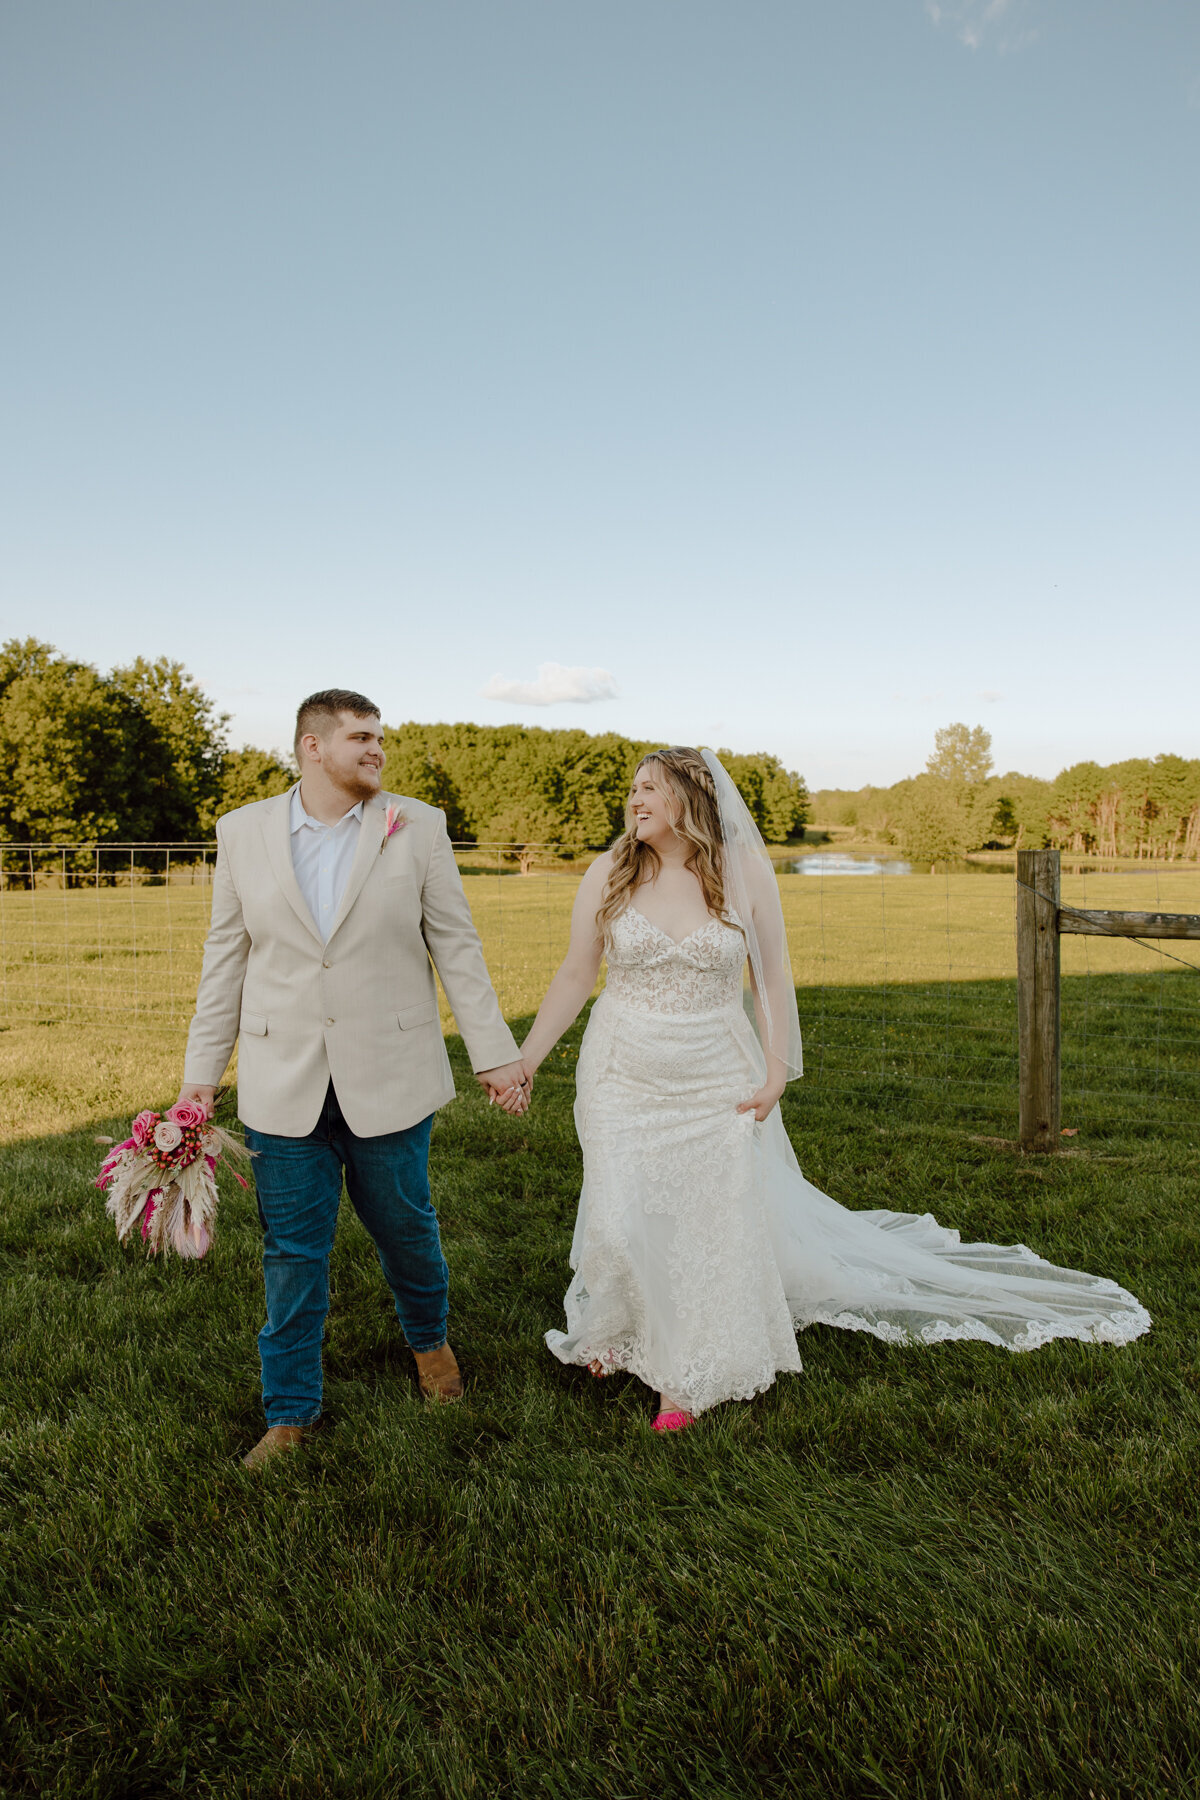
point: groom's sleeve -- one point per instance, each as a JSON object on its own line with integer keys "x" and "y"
{"x": 214, "y": 1028}
{"x": 457, "y": 955}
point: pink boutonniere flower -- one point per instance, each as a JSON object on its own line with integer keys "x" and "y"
{"x": 393, "y": 821}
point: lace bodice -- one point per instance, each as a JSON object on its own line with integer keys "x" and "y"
{"x": 649, "y": 972}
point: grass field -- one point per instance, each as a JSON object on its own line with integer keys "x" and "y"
{"x": 928, "y": 1573}
{"x": 96, "y": 988}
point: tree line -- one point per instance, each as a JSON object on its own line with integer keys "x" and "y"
{"x": 141, "y": 755}
{"x": 1143, "y": 807}
{"x": 522, "y": 785}
{"x": 137, "y": 755}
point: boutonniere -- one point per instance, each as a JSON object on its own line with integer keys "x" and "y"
{"x": 393, "y": 821}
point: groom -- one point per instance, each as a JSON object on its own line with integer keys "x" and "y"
{"x": 332, "y": 906}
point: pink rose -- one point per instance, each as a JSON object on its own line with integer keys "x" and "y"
{"x": 187, "y": 1114}
{"x": 142, "y": 1129}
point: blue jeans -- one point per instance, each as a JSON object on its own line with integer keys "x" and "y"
{"x": 299, "y": 1186}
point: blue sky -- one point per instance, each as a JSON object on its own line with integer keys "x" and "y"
{"x": 801, "y": 376}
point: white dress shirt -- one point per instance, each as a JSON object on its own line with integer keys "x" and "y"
{"x": 322, "y": 856}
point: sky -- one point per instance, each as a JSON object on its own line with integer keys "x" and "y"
{"x": 778, "y": 374}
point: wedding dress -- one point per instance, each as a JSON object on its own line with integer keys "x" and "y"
{"x": 699, "y": 1247}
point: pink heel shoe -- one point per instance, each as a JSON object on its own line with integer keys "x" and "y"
{"x": 673, "y": 1421}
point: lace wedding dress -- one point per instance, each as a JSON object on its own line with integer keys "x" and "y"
{"x": 700, "y": 1248}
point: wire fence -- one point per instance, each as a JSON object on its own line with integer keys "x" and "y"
{"x": 906, "y": 983}
{"x": 1142, "y": 1028}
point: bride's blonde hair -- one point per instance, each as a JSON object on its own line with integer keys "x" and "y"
{"x": 684, "y": 777}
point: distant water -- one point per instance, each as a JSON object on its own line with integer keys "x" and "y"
{"x": 830, "y": 862}
{"x": 845, "y": 862}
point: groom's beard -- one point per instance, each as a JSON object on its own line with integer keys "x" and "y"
{"x": 356, "y": 784}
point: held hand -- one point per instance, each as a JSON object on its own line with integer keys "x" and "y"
{"x": 524, "y": 1091}
{"x": 508, "y": 1085}
{"x": 761, "y": 1103}
{"x": 200, "y": 1096}
{"x": 518, "y": 1099}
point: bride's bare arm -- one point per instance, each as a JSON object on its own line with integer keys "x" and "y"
{"x": 576, "y": 977}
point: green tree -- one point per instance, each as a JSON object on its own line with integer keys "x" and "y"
{"x": 868, "y": 810}
{"x": 1019, "y": 806}
{"x": 1073, "y": 804}
{"x": 185, "y": 748}
{"x": 599, "y": 773}
{"x": 531, "y": 825}
{"x": 1132, "y": 780}
{"x": 962, "y": 754}
{"x": 137, "y": 755}
{"x": 25, "y": 656}
{"x": 250, "y": 774}
{"x": 1174, "y": 791}
{"x": 419, "y": 759}
{"x": 564, "y": 788}
{"x": 932, "y": 823}
{"x": 74, "y": 751}
{"x": 776, "y": 798}
{"x": 513, "y": 782}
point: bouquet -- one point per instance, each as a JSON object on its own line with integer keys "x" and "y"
{"x": 165, "y": 1176}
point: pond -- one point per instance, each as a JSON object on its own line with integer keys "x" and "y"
{"x": 850, "y": 862}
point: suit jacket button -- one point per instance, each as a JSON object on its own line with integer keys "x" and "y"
{"x": 329, "y": 1021}
{"x": 324, "y": 965}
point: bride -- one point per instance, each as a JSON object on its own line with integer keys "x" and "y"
{"x": 699, "y": 1247}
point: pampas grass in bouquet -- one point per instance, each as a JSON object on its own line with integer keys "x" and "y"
{"x": 164, "y": 1178}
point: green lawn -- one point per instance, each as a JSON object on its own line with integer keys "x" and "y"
{"x": 96, "y": 989}
{"x": 926, "y": 1573}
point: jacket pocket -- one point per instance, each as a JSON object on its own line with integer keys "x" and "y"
{"x": 422, "y": 1013}
{"x": 254, "y": 1024}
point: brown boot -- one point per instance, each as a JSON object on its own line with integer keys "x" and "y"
{"x": 437, "y": 1372}
{"x": 276, "y": 1440}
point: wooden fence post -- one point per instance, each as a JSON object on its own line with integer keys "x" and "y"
{"x": 1038, "y": 1009}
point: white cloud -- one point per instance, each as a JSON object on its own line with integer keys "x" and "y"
{"x": 989, "y": 696}
{"x": 555, "y": 686}
{"x": 976, "y": 22}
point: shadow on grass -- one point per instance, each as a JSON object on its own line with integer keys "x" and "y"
{"x": 1130, "y": 1050}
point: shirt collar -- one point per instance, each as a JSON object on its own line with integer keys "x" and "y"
{"x": 300, "y": 818}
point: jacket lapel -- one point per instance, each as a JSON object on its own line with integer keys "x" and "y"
{"x": 277, "y": 833}
{"x": 370, "y": 840}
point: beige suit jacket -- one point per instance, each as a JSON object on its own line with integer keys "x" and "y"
{"x": 361, "y": 1009}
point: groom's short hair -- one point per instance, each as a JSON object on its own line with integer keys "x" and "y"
{"x": 320, "y": 712}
